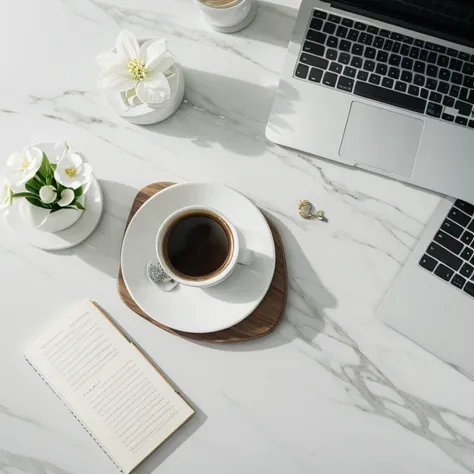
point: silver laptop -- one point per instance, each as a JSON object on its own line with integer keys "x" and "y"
{"x": 384, "y": 85}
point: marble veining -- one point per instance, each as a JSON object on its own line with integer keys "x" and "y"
{"x": 332, "y": 390}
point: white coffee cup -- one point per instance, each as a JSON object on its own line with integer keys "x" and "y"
{"x": 225, "y": 17}
{"x": 236, "y": 255}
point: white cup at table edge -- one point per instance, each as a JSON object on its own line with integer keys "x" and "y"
{"x": 224, "y": 17}
{"x": 239, "y": 255}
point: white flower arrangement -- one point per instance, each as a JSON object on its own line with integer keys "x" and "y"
{"x": 49, "y": 184}
{"x": 141, "y": 71}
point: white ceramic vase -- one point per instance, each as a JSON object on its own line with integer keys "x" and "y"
{"x": 136, "y": 111}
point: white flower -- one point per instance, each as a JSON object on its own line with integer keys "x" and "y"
{"x": 72, "y": 171}
{"x": 22, "y": 166}
{"x": 6, "y": 195}
{"x": 143, "y": 67}
{"x": 67, "y": 196}
{"x": 48, "y": 194}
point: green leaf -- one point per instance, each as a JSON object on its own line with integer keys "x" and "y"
{"x": 39, "y": 179}
{"x": 37, "y": 202}
{"x": 45, "y": 170}
{"x": 79, "y": 205}
{"x": 31, "y": 189}
{"x": 53, "y": 166}
{"x": 34, "y": 184}
{"x": 79, "y": 191}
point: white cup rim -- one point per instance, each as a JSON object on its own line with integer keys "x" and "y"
{"x": 223, "y": 274}
{"x": 226, "y": 9}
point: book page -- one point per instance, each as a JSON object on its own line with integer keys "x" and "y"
{"x": 120, "y": 397}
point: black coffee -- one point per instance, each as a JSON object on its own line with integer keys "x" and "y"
{"x": 197, "y": 245}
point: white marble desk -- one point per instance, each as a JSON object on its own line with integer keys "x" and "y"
{"x": 333, "y": 390}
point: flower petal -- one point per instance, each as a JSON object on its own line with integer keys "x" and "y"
{"x": 166, "y": 61}
{"x": 67, "y": 196}
{"x": 116, "y": 82}
{"x": 127, "y": 45}
{"x": 152, "y": 51}
{"x": 48, "y": 194}
{"x": 108, "y": 60}
{"x": 154, "y": 90}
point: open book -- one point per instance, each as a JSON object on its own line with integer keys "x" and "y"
{"x": 119, "y": 396}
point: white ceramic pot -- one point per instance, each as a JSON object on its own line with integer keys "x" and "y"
{"x": 222, "y": 17}
{"x": 147, "y": 114}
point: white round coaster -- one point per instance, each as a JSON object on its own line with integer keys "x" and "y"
{"x": 66, "y": 238}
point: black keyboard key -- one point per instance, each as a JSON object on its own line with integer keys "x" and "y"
{"x": 370, "y": 53}
{"x": 329, "y": 79}
{"x": 432, "y": 58}
{"x": 394, "y": 73}
{"x": 405, "y": 50}
{"x": 334, "y": 18}
{"x": 458, "y": 281}
{"x": 331, "y": 54}
{"x": 449, "y": 242}
{"x": 419, "y": 67}
{"x": 357, "y": 62}
{"x": 468, "y": 69}
{"x": 452, "y": 52}
{"x": 316, "y": 24}
{"x": 387, "y": 46}
{"x": 373, "y": 30}
{"x": 419, "y": 43}
{"x": 448, "y": 101}
{"x": 469, "y": 288}
{"x": 468, "y": 82}
{"x": 419, "y": 80}
{"x": 464, "y": 93}
{"x": 320, "y": 14}
{"x": 456, "y": 78}
{"x": 461, "y": 120}
{"x": 342, "y": 32}
{"x": 452, "y": 228}
{"x": 302, "y": 71}
{"x": 394, "y": 60}
{"x": 391, "y": 97}
{"x": 348, "y": 22}
{"x": 315, "y": 61}
{"x": 407, "y": 76}
{"x": 424, "y": 93}
{"x": 444, "y": 256}
{"x": 470, "y": 99}
{"x": 313, "y": 48}
{"x": 362, "y": 75}
{"x": 465, "y": 206}
{"x": 396, "y": 47}
{"x": 423, "y": 55}
{"x": 471, "y": 124}
{"x": 443, "y": 61}
{"x": 374, "y": 79}
{"x": 381, "y": 69}
{"x": 464, "y": 56}
{"x": 432, "y": 71}
{"x": 344, "y": 58}
{"x": 387, "y": 82}
{"x": 316, "y": 36}
{"x": 443, "y": 88}
{"x": 454, "y": 91}
{"x": 385, "y": 33}
{"x": 369, "y": 65}
{"x": 357, "y": 49}
{"x": 431, "y": 84}
{"x": 400, "y": 86}
{"x": 353, "y": 35}
{"x": 455, "y": 64}
{"x": 345, "y": 45}
{"x": 396, "y": 36}
{"x": 407, "y": 39}
{"x": 365, "y": 38}
{"x": 378, "y": 42}
{"x": 459, "y": 217}
{"x": 360, "y": 26}
{"x": 466, "y": 270}
{"x": 382, "y": 56}
{"x": 332, "y": 42}
{"x": 428, "y": 262}
{"x": 414, "y": 52}
{"x": 329, "y": 28}
{"x": 434, "y": 110}
{"x": 336, "y": 67}
{"x": 467, "y": 253}
{"x": 439, "y": 49}
{"x": 448, "y": 117}
{"x": 463, "y": 108}
{"x": 407, "y": 63}
{"x": 345, "y": 83}
{"x": 444, "y": 272}
{"x": 467, "y": 237}
{"x": 414, "y": 90}
{"x": 350, "y": 71}
{"x": 436, "y": 97}
{"x": 315, "y": 75}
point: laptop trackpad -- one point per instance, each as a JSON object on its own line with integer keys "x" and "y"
{"x": 381, "y": 139}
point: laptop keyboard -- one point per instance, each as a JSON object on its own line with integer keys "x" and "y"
{"x": 451, "y": 254}
{"x": 388, "y": 67}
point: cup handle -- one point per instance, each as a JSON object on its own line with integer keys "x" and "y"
{"x": 246, "y": 257}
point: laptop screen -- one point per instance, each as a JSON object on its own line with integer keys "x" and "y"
{"x": 449, "y": 19}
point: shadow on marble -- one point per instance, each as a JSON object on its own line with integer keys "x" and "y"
{"x": 227, "y": 111}
{"x": 308, "y": 299}
{"x": 273, "y": 24}
{"x": 102, "y": 248}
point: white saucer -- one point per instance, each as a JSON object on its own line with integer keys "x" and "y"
{"x": 193, "y": 309}
{"x": 66, "y": 238}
